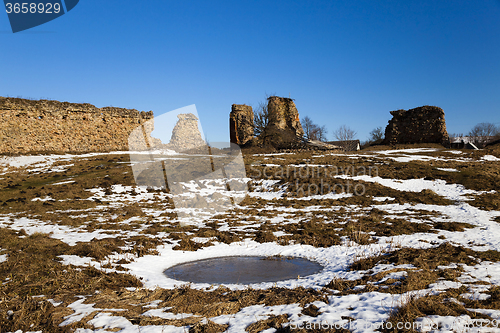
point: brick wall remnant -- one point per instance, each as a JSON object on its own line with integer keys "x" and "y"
{"x": 425, "y": 124}
{"x": 34, "y": 126}
{"x": 283, "y": 129}
{"x": 186, "y": 134}
{"x": 241, "y": 125}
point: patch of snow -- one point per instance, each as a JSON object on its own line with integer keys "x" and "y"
{"x": 239, "y": 321}
{"x": 160, "y": 313}
{"x": 202, "y": 239}
{"x": 275, "y": 154}
{"x": 439, "y": 186}
{"x": 47, "y": 198}
{"x": 444, "y": 284}
{"x": 65, "y": 182}
{"x": 448, "y": 169}
{"x": 476, "y": 296}
{"x": 153, "y": 304}
{"x": 281, "y": 233}
{"x": 394, "y": 275}
{"x": 495, "y": 314}
{"x": 485, "y": 271}
{"x": 70, "y": 259}
{"x": 67, "y": 234}
{"x": 80, "y": 311}
{"x": 331, "y": 195}
{"x": 490, "y": 158}
{"x": 105, "y": 321}
{"x": 383, "y": 198}
{"x": 407, "y": 151}
{"x": 54, "y": 303}
{"x": 485, "y": 233}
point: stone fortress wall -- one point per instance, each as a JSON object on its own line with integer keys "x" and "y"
{"x": 43, "y": 126}
{"x": 33, "y": 126}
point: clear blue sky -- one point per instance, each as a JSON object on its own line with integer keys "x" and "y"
{"x": 344, "y": 62}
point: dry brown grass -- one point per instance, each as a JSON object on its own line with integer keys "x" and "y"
{"x": 430, "y": 258}
{"x": 271, "y": 322}
{"x": 209, "y": 327}
{"x": 33, "y": 267}
{"x": 414, "y": 307}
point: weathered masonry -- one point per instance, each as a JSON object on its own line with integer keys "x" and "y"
{"x": 424, "y": 124}
{"x": 29, "y": 126}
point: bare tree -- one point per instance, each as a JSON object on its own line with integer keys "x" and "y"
{"x": 344, "y": 133}
{"x": 377, "y": 134}
{"x": 313, "y": 131}
{"x": 482, "y": 133}
{"x": 322, "y": 131}
{"x": 309, "y": 128}
{"x": 261, "y": 118}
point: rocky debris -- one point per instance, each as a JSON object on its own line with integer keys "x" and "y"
{"x": 283, "y": 129}
{"x": 241, "y": 126}
{"x": 424, "y": 124}
{"x": 186, "y": 134}
{"x": 31, "y": 126}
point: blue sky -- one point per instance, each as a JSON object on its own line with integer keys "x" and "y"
{"x": 344, "y": 62}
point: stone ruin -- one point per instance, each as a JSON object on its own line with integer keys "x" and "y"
{"x": 283, "y": 130}
{"x": 241, "y": 126}
{"x": 284, "y": 127}
{"x": 186, "y": 134}
{"x": 424, "y": 124}
{"x": 40, "y": 126}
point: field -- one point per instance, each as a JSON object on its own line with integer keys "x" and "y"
{"x": 409, "y": 236}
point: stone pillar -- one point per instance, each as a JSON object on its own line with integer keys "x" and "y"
{"x": 241, "y": 124}
{"x": 283, "y": 129}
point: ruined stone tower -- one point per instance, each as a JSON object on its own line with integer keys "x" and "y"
{"x": 424, "y": 124}
{"x": 283, "y": 129}
{"x": 186, "y": 134}
{"x": 241, "y": 124}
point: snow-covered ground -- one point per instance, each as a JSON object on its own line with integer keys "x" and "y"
{"x": 366, "y": 311}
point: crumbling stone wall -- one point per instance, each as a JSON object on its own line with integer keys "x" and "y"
{"x": 283, "y": 129}
{"x": 241, "y": 125}
{"x": 186, "y": 134}
{"x": 28, "y": 126}
{"x": 425, "y": 124}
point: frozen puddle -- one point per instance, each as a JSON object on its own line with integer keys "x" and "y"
{"x": 243, "y": 270}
